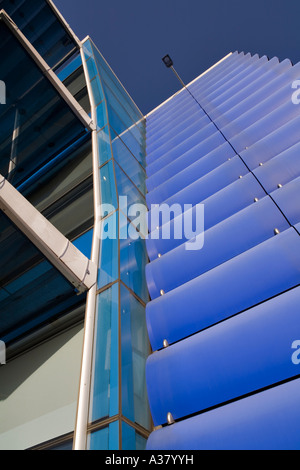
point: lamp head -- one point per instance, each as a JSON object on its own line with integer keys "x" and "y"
{"x": 168, "y": 61}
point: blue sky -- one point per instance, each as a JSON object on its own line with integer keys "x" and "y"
{"x": 133, "y": 36}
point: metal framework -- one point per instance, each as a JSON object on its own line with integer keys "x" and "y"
{"x": 47, "y": 71}
{"x": 73, "y": 265}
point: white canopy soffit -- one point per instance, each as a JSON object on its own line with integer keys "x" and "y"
{"x": 62, "y": 254}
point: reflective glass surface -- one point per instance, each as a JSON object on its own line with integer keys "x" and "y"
{"x": 104, "y": 144}
{"x": 128, "y": 163}
{"x": 109, "y": 251}
{"x": 97, "y": 89}
{"x": 35, "y": 123}
{"x": 109, "y": 78}
{"x": 105, "y": 439}
{"x": 84, "y": 243}
{"x": 133, "y": 259}
{"x": 120, "y": 111}
{"x": 101, "y": 115}
{"x": 40, "y": 25}
{"x": 131, "y": 440}
{"x": 31, "y": 290}
{"x": 76, "y": 84}
{"x": 128, "y": 189}
{"x": 121, "y": 140}
{"x": 135, "y": 350}
{"x": 60, "y": 177}
{"x": 105, "y": 378}
{"x": 108, "y": 187}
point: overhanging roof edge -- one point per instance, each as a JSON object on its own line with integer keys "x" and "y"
{"x": 62, "y": 254}
{"x": 63, "y": 22}
{"x": 47, "y": 71}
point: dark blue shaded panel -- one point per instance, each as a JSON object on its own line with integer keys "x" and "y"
{"x": 266, "y": 421}
{"x": 31, "y": 290}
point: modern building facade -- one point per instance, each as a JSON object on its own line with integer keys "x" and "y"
{"x": 72, "y": 298}
{"x": 224, "y": 319}
{"x": 115, "y": 339}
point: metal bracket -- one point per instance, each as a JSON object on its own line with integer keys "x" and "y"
{"x": 68, "y": 260}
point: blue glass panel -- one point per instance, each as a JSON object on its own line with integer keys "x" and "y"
{"x": 112, "y": 81}
{"x": 35, "y": 297}
{"x": 108, "y": 189}
{"x": 64, "y": 446}
{"x": 97, "y": 90}
{"x": 70, "y": 67}
{"x": 127, "y": 189}
{"x": 101, "y": 115}
{"x": 92, "y": 69}
{"x": 131, "y": 440}
{"x": 105, "y": 377}
{"x": 128, "y": 163}
{"x": 138, "y": 149}
{"x": 87, "y": 49}
{"x": 133, "y": 259}
{"x": 104, "y": 145}
{"x": 123, "y": 118}
{"x": 32, "y": 290}
{"x": 46, "y": 125}
{"x": 105, "y": 439}
{"x": 99, "y": 440}
{"x": 84, "y": 243}
{"x": 109, "y": 254}
{"x": 135, "y": 350}
{"x": 257, "y": 367}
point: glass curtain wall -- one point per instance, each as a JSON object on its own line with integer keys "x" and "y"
{"x": 119, "y": 416}
{"x": 41, "y": 314}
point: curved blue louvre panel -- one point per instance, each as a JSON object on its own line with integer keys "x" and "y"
{"x": 209, "y": 141}
{"x": 43, "y": 27}
{"x": 189, "y": 174}
{"x": 264, "y": 100}
{"x": 224, "y": 241}
{"x": 222, "y": 318}
{"x": 262, "y": 335}
{"x": 206, "y": 186}
{"x": 235, "y": 99}
{"x": 281, "y": 169}
{"x": 42, "y": 124}
{"x": 224, "y": 203}
{"x": 252, "y": 277}
{"x": 287, "y": 199}
{"x": 249, "y": 88}
{"x": 265, "y": 421}
{"x": 157, "y": 122}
